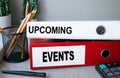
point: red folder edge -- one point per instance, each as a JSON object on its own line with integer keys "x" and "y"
{"x": 113, "y": 46}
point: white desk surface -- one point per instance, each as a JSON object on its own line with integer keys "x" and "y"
{"x": 71, "y": 72}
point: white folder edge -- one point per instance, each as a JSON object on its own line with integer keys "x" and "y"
{"x": 80, "y": 30}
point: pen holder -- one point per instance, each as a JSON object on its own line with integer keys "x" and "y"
{"x": 5, "y": 21}
{"x": 20, "y": 51}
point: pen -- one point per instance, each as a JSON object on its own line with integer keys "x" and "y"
{"x": 25, "y": 73}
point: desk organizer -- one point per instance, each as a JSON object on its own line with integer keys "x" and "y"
{"x": 5, "y": 21}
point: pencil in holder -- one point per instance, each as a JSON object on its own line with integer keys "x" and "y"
{"x": 20, "y": 51}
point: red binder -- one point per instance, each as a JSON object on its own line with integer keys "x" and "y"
{"x": 75, "y": 53}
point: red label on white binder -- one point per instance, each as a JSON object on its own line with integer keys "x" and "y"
{"x": 58, "y": 56}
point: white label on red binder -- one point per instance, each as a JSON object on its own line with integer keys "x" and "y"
{"x": 58, "y": 56}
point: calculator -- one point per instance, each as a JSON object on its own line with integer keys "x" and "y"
{"x": 111, "y": 70}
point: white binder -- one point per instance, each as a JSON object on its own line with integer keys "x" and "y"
{"x": 97, "y": 30}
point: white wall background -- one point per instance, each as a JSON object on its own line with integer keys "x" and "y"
{"x": 60, "y": 10}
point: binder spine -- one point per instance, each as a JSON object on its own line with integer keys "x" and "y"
{"x": 87, "y": 53}
{"x": 97, "y": 30}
